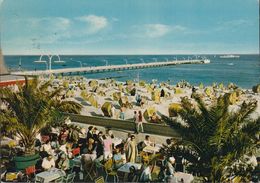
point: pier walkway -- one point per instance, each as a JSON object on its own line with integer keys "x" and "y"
{"x": 106, "y": 68}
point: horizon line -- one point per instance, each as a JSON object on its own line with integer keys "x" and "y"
{"x": 130, "y": 54}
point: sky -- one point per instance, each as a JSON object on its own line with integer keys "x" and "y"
{"x": 129, "y": 26}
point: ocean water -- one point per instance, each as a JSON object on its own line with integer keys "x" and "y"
{"x": 243, "y": 71}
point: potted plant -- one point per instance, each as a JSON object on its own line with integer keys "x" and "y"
{"x": 31, "y": 108}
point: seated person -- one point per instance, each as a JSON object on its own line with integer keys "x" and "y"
{"x": 146, "y": 175}
{"x": 47, "y": 147}
{"x": 48, "y": 162}
{"x": 145, "y": 157}
{"x": 90, "y": 153}
{"x": 133, "y": 175}
{"x": 109, "y": 163}
{"x": 66, "y": 148}
{"x": 154, "y": 118}
{"x": 148, "y": 141}
{"x": 54, "y": 142}
{"x": 118, "y": 159}
{"x": 169, "y": 165}
{"x": 63, "y": 162}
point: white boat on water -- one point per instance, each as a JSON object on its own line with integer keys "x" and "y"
{"x": 229, "y": 56}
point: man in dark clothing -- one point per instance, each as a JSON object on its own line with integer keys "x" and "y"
{"x": 100, "y": 145}
{"x": 89, "y": 134}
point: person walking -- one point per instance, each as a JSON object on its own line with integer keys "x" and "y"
{"x": 131, "y": 150}
{"x": 136, "y": 121}
{"x": 140, "y": 122}
{"x": 122, "y": 113}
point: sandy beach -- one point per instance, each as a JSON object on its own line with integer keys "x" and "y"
{"x": 101, "y": 91}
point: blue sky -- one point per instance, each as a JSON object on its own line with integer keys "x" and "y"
{"x": 129, "y": 26}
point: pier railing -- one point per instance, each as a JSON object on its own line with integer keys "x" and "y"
{"x": 110, "y": 67}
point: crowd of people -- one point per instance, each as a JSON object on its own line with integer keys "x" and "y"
{"x": 101, "y": 150}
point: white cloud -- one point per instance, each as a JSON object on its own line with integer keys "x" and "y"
{"x": 1, "y": 1}
{"x": 157, "y": 30}
{"x": 95, "y": 23}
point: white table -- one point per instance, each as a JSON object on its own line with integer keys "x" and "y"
{"x": 125, "y": 168}
{"x": 152, "y": 149}
{"x": 50, "y": 175}
{"x": 116, "y": 141}
{"x": 187, "y": 178}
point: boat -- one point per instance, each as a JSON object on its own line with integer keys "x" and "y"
{"x": 229, "y": 56}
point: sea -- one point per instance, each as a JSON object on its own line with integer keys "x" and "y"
{"x": 243, "y": 71}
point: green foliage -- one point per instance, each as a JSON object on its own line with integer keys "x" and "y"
{"x": 34, "y": 106}
{"x": 212, "y": 137}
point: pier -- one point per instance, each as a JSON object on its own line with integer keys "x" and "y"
{"x": 107, "y": 68}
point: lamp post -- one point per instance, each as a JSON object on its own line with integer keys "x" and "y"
{"x": 105, "y": 62}
{"x": 50, "y": 60}
{"x": 79, "y": 62}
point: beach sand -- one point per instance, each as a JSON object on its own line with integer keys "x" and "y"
{"x": 162, "y": 107}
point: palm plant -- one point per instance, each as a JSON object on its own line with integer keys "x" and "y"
{"x": 213, "y": 138}
{"x": 34, "y": 106}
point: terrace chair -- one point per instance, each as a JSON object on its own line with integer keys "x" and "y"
{"x": 108, "y": 169}
{"x": 76, "y": 151}
{"x": 100, "y": 180}
{"x": 69, "y": 178}
{"x": 59, "y": 180}
{"x": 39, "y": 180}
{"x": 111, "y": 174}
{"x": 89, "y": 170}
{"x": 30, "y": 172}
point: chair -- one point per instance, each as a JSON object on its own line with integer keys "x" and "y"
{"x": 69, "y": 178}
{"x": 39, "y": 180}
{"x": 30, "y": 170}
{"x": 100, "y": 180}
{"x": 58, "y": 180}
{"x": 76, "y": 151}
{"x": 89, "y": 169}
{"x": 113, "y": 174}
{"x": 108, "y": 168}
{"x": 10, "y": 176}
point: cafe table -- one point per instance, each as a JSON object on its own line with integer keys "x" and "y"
{"x": 50, "y": 175}
{"x": 126, "y": 167}
{"x": 116, "y": 141}
{"x": 187, "y": 178}
{"x": 152, "y": 149}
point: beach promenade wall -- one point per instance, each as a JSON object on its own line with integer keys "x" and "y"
{"x": 155, "y": 129}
